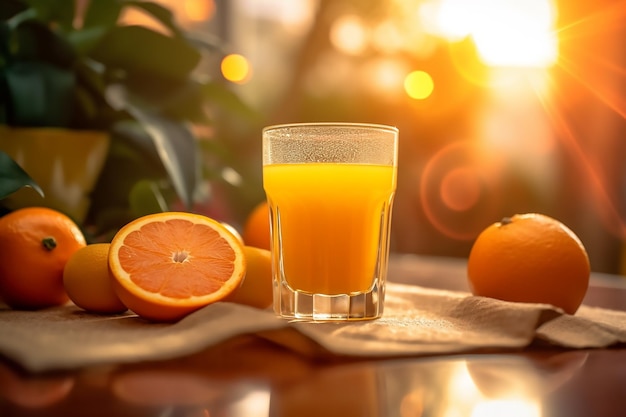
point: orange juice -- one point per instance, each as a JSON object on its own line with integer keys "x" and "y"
{"x": 331, "y": 222}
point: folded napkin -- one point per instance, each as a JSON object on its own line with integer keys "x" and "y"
{"x": 417, "y": 321}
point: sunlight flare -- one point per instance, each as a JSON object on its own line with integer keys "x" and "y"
{"x": 518, "y": 33}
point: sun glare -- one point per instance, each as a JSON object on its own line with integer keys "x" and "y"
{"x": 518, "y": 33}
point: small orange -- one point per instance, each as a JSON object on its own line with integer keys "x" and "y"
{"x": 256, "y": 229}
{"x": 167, "y": 265}
{"x": 256, "y": 290}
{"x": 530, "y": 258}
{"x": 35, "y": 244}
{"x": 88, "y": 281}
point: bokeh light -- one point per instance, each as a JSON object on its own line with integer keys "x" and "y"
{"x": 419, "y": 85}
{"x": 384, "y": 76}
{"x": 460, "y": 188}
{"x": 387, "y": 37}
{"x": 349, "y": 35}
{"x": 199, "y": 10}
{"x": 236, "y": 68}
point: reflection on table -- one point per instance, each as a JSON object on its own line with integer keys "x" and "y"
{"x": 251, "y": 376}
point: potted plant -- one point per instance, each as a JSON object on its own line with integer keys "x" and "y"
{"x": 73, "y": 68}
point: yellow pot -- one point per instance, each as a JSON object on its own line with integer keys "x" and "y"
{"x": 65, "y": 163}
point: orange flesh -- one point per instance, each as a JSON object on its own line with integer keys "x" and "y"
{"x": 177, "y": 258}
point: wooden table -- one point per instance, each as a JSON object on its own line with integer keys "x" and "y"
{"x": 250, "y": 376}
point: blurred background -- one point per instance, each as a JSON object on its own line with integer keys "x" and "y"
{"x": 503, "y": 106}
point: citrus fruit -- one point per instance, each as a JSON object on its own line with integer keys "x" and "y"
{"x": 232, "y": 229}
{"x": 167, "y": 265}
{"x": 256, "y": 290}
{"x": 35, "y": 244}
{"x": 256, "y": 229}
{"x": 530, "y": 258}
{"x": 88, "y": 281}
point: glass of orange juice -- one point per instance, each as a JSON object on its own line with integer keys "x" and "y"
{"x": 330, "y": 189}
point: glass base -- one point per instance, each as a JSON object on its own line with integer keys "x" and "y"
{"x": 303, "y": 306}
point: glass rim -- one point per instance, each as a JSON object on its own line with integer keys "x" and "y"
{"x": 357, "y": 125}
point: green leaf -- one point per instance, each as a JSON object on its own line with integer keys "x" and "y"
{"x": 138, "y": 50}
{"x": 182, "y": 100}
{"x": 86, "y": 39}
{"x": 100, "y": 16}
{"x": 13, "y": 177}
{"x": 60, "y": 12}
{"x": 174, "y": 142}
{"x": 137, "y": 144}
{"x": 221, "y": 96}
{"x": 34, "y": 40}
{"x": 146, "y": 198}
{"x": 132, "y": 158}
{"x": 102, "y": 13}
{"x": 177, "y": 148}
{"x": 40, "y": 94}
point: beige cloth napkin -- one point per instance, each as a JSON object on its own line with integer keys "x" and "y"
{"x": 417, "y": 321}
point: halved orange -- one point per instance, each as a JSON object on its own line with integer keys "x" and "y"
{"x": 167, "y": 265}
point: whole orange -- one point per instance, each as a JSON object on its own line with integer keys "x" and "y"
{"x": 88, "y": 281}
{"x": 256, "y": 229}
{"x": 35, "y": 245}
{"x": 257, "y": 287}
{"x": 530, "y": 258}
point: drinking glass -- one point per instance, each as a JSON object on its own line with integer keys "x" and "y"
{"x": 330, "y": 189}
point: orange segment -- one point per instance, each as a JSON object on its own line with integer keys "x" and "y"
{"x": 167, "y": 265}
